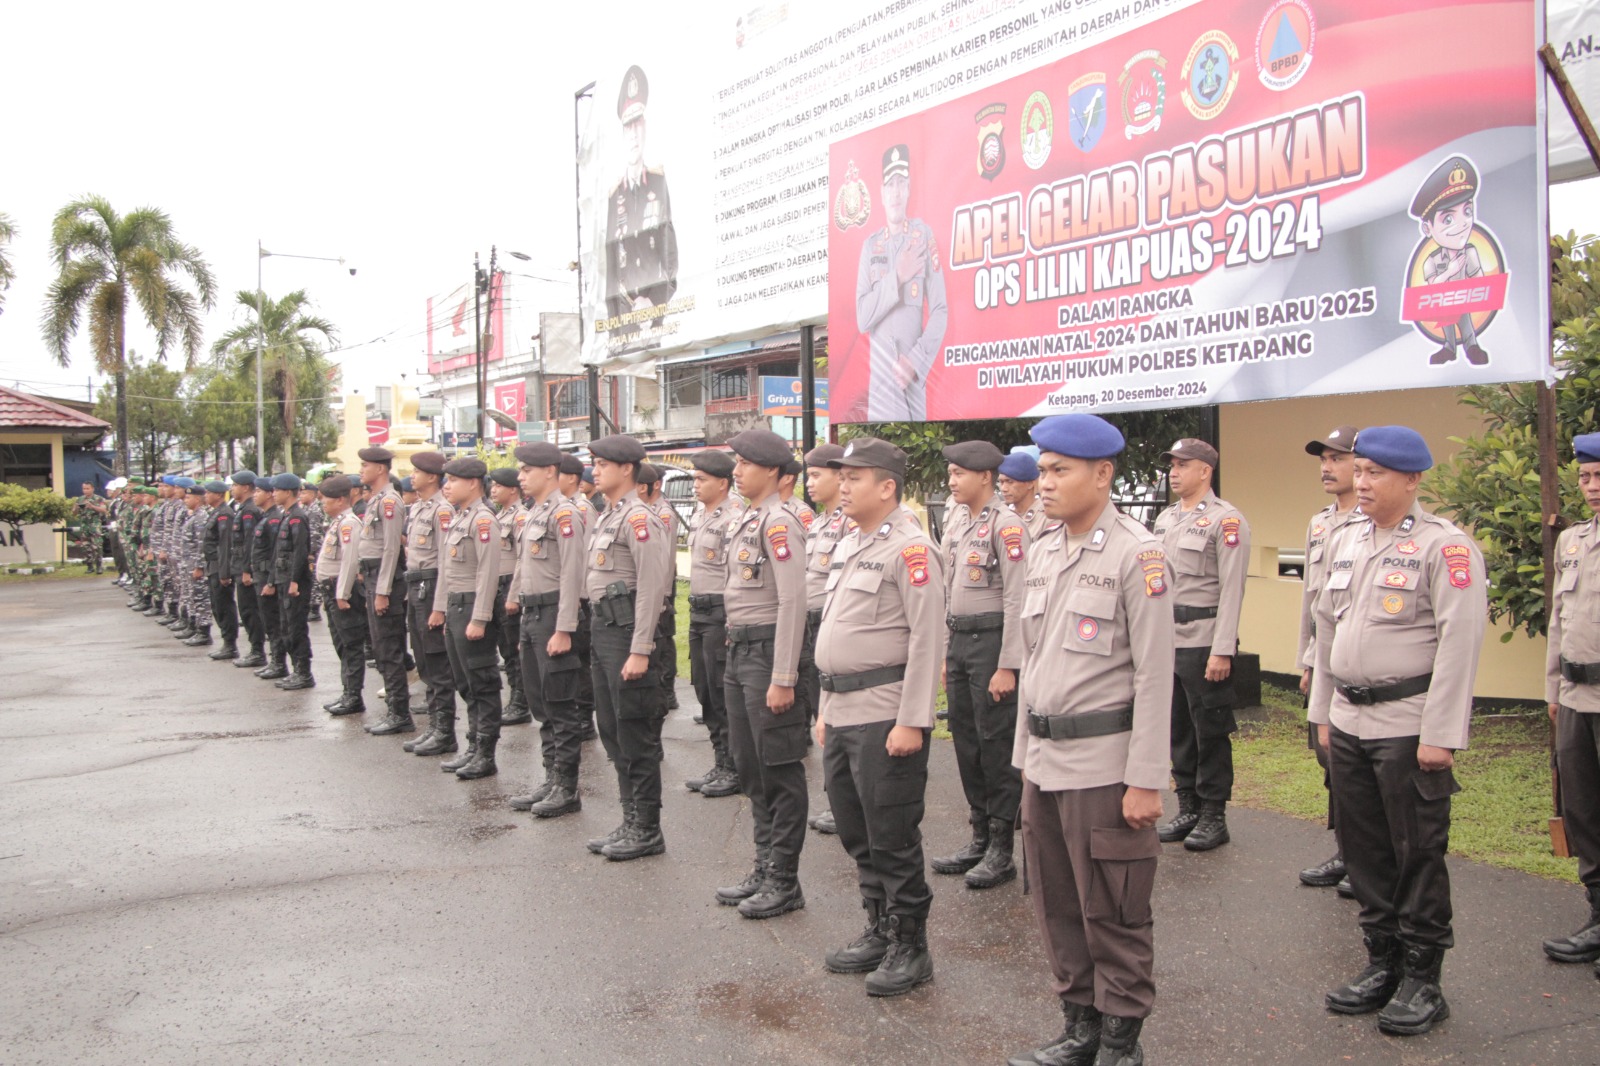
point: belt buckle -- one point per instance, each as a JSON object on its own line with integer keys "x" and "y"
{"x": 1358, "y": 694}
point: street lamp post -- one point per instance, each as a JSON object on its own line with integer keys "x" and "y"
{"x": 261, "y": 302}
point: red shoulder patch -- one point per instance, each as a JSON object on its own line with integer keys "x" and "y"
{"x": 916, "y": 559}
{"x": 485, "y": 528}
{"x": 807, "y": 517}
{"x": 778, "y": 535}
{"x": 641, "y": 525}
{"x": 1230, "y": 532}
{"x": 1153, "y": 563}
{"x": 445, "y": 514}
{"x": 344, "y": 533}
{"x": 1011, "y": 537}
{"x": 1458, "y": 557}
{"x": 564, "y": 522}
{"x": 388, "y": 507}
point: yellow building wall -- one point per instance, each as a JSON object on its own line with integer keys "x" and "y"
{"x": 1265, "y": 472}
{"x": 58, "y": 485}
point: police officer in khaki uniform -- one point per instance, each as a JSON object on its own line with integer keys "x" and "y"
{"x": 1399, "y": 624}
{"x": 1208, "y": 551}
{"x": 545, "y": 595}
{"x": 765, "y": 598}
{"x": 709, "y": 531}
{"x": 573, "y": 488}
{"x": 822, "y": 544}
{"x": 1336, "y": 462}
{"x": 427, "y": 525}
{"x": 985, "y": 558}
{"x": 336, "y": 572}
{"x": 629, "y": 574}
{"x": 509, "y": 515}
{"x": 469, "y": 580}
{"x": 381, "y": 550}
{"x": 1092, "y": 744}
{"x": 1572, "y": 689}
{"x": 665, "y": 659}
{"x": 1018, "y": 483}
{"x": 879, "y": 652}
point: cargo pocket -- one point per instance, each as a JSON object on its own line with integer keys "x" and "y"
{"x": 1124, "y": 875}
{"x": 899, "y": 799}
{"x": 1435, "y": 785}
{"x": 561, "y": 678}
{"x": 641, "y": 697}
{"x": 1217, "y": 703}
{"x": 784, "y": 743}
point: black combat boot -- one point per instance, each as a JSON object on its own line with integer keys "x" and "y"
{"x": 525, "y": 802}
{"x": 733, "y": 895}
{"x": 1418, "y": 1004}
{"x": 907, "y": 963}
{"x": 1078, "y": 1044}
{"x": 1324, "y": 874}
{"x": 1211, "y": 831}
{"x": 157, "y": 609}
{"x": 349, "y": 703}
{"x": 1182, "y": 822}
{"x": 598, "y": 844}
{"x": 865, "y": 952}
{"x": 482, "y": 764}
{"x": 254, "y": 660}
{"x": 185, "y": 629}
{"x": 824, "y": 824}
{"x": 201, "y": 638}
{"x": 428, "y": 734}
{"x": 642, "y": 838}
{"x": 440, "y": 740}
{"x": 1119, "y": 1041}
{"x": 724, "y": 778}
{"x": 393, "y": 723}
{"x": 450, "y": 766}
{"x": 517, "y": 711}
{"x": 1584, "y": 945}
{"x": 997, "y": 867}
{"x": 779, "y": 893}
{"x": 301, "y": 678}
{"x": 277, "y": 668}
{"x": 228, "y": 651}
{"x": 694, "y": 784}
{"x": 1372, "y": 987}
{"x": 970, "y": 855}
{"x": 561, "y": 799}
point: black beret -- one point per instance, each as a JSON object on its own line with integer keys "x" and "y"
{"x": 715, "y": 463}
{"x": 823, "y": 454}
{"x": 539, "y": 454}
{"x": 467, "y": 467}
{"x": 338, "y": 486}
{"x": 762, "y": 447}
{"x": 793, "y": 467}
{"x": 618, "y": 448}
{"x": 647, "y": 474}
{"x": 196, "y": 490}
{"x": 429, "y": 462}
{"x": 504, "y": 475}
{"x": 974, "y": 455}
{"x": 874, "y": 453}
{"x": 376, "y": 455}
{"x": 216, "y": 486}
{"x": 571, "y": 464}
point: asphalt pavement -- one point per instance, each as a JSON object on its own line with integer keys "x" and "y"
{"x": 196, "y": 867}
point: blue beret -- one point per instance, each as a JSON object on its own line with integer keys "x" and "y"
{"x": 168, "y": 479}
{"x": 244, "y": 477}
{"x": 184, "y": 482}
{"x": 1080, "y": 436}
{"x": 587, "y": 475}
{"x": 1396, "y": 447}
{"x": 286, "y": 482}
{"x": 1586, "y": 446}
{"x": 216, "y": 486}
{"x": 1019, "y": 466}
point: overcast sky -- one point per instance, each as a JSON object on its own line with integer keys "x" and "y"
{"x": 400, "y": 139}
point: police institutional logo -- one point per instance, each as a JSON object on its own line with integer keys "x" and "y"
{"x": 1283, "y": 44}
{"x": 853, "y": 205}
{"x": 1144, "y": 93}
{"x": 1038, "y": 130}
{"x": 991, "y": 141}
{"x": 1087, "y": 108}
{"x": 1210, "y": 74}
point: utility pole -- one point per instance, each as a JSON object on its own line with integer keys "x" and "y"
{"x": 479, "y": 287}
{"x": 591, "y": 371}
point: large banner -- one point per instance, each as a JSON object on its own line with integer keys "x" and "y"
{"x": 1574, "y": 29}
{"x": 1234, "y": 202}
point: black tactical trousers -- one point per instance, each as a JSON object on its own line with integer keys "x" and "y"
{"x": 582, "y": 642}
{"x": 982, "y": 729}
{"x": 1327, "y": 775}
{"x": 664, "y": 659}
{"x": 428, "y": 645}
{"x": 877, "y": 802}
{"x": 473, "y": 665}
{"x": 1394, "y": 830}
{"x": 629, "y": 716}
{"x": 551, "y": 686}
{"x": 348, "y": 629}
{"x": 708, "y": 663}
{"x": 249, "y": 610}
{"x": 767, "y": 752}
{"x": 222, "y": 609}
{"x": 295, "y": 618}
{"x": 808, "y": 690}
{"x": 1578, "y": 754}
{"x": 388, "y": 634}
{"x": 269, "y": 611}
{"x": 510, "y": 655}
{"x": 1202, "y": 721}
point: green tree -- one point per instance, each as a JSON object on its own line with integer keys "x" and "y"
{"x": 1492, "y": 484}
{"x": 8, "y": 233}
{"x": 154, "y": 409}
{"x": 103, "y": 258}
{"x": 294, "y": 372}
{"x": 20, "y": 507}
{"x": 220, "y": 413}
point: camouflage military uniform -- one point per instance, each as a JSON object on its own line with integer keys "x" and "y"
{"x": 317, "y": 520}
{"x": 90, "y": 513}
{"x": 196, "y": 594}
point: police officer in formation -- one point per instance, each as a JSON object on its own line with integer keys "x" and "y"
{"x": 382, "y": 563}
{"x": 337, "y": 574}
{"x": 291, "y": 581}
{"x": 259, "y": 575}
{"x": 709, "y": 533}
{"x": 317, "y": 522}
{"x": 822, "y": 545}
{"x": 426, "y": 526}
{"x": 509, "y": 514}
{"x": 465, "y": 604}
{"x": 1018, "y": 482}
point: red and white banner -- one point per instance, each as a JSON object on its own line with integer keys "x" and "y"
{"x": 451, "y": 344}
{"x": 377, "y": 432}
{"x": 510, "y": 400}
{"x": 1231, "y": 202}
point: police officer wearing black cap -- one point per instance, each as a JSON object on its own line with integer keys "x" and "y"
{"x": 629, "y": 573}
{"x": 985, "y": 555}
{"x": 666, "y": 653}
{"x": 822, "y": 545}
{"x": 708, "y": 617}
{"x": 217, "y": 549}
{"x": 381, "y": 551}
{"x": 641, "y": 243}
{"x": 469, "y": 580}
{"x": 246, "y": 514}
{"x": 572, "y": 481}
{"x": 268, "y": 602}
{"x": 291, "y": 580}
{"x": 336, "y": 572}
{"x": 509, "y": 514}
{"x": 765, "y": 600}
{"x": 427, "y": 524}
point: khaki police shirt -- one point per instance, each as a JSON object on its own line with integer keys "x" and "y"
{"x": 767, "y": 581}
{"x": 1034, "y": 517}
{"x": 629, "y": 544}
{"x": 471, "y": 562}
{"x": 383, "y": 537}
{"x": 822, "y": 550}
{"x": 1208, "y": 555}
{"x": 1323, "y": 524}
{"x": 1097, "y": 620}
{"x": 550, "y": 558}
{"x": 1399, "y": 603}
{"x": 508, "y": 520}
{"x": 709, "y": 531}
{"x": 1575, "y": 616}
{"x": 985, "y": 558}
{"x": 427, "y": 521}
{"x": 336, "y": 560}
{"x": 885, "y": 606}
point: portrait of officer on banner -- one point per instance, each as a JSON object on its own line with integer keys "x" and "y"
{"x": 1456, "y": 279}
{"x": 900, "y": 301}
{"x": 641, "y": 244}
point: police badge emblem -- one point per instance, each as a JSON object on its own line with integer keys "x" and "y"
{"x": 991, "y": 142}
{"x": 1144, "y": 93}
{"x": 853, "y": 205}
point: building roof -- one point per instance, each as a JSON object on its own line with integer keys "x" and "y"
{"x": 21, "y": 410}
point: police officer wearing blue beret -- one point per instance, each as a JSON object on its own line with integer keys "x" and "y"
{"x": 245, "y": 516}
{"x": 291, "y": 580}
{"x": 268, "y": 602}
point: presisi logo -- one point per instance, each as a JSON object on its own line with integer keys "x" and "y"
{"x": 1458, "y": 298}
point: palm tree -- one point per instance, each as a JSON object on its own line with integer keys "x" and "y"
{"x": 288, "y": 347}
{"x": 102, "y": 257}
{"x": 8, "y": 233}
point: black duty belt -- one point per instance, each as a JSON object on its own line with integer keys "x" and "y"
{"x": 541, "y": 599}
{"x": 975, "y": 623}
{"x": 883, "y": 675}
{"x": 461, "y": 597}
{"x": 751, "y": 634}
{"x": 1181, "y": 614}
{"x": 1078, "y": 726}
{"x": 504, "y": 579}
{"x": 1581, "y": 673}
{"x": 705, "y": 601}
{"x": 370, "y": 564}
{"x": 417, "y": 577}
{"x": 1365, "y": 695}
{"x": 814, "y": 616}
